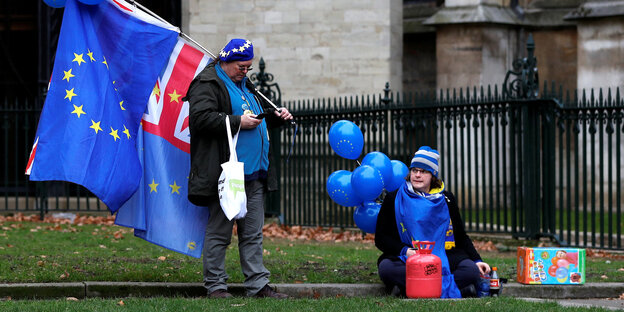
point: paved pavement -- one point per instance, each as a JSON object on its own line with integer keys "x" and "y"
{"x": 590, "y": 294}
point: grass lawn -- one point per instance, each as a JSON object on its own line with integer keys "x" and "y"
{"x": 247, "y": 304}
{"x": 44, "y": 252}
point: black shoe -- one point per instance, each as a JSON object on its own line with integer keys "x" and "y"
{"x": 268, "y": 292}
{"x": 397, "y": 292}
{"x": 469, "y": 291}
{"x": 219, "y": 293}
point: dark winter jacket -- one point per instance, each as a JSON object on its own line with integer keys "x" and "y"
{"x": 388, "y": 241}
{"x": 209, "y": 103}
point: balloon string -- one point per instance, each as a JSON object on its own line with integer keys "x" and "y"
{"x": 358, "y": 162}
{"x": 293, "y": 143}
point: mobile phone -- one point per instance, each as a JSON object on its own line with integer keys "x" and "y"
{"x": 262, "y": 115}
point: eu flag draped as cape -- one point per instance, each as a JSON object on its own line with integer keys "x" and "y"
{"x": 426, "y": 218}
{"x": 160, "y": 211}
{"x": 107, "y": 62}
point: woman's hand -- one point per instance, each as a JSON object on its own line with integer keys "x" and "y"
{"x": 483, "y": 267}
{"x": 248, "y": 122}
{"x": 410, "y": 252}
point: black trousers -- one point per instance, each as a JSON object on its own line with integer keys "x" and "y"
{"x": 392, "y": 273}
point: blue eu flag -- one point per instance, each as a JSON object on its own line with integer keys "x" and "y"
{"x": 106, "y": 65}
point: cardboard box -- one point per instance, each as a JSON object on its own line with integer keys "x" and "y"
{"x": 551, "y": 265}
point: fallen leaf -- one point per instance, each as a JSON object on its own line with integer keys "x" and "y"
{"x": 237, "y": 305}
{"x": 102, "y": 246}
{"x": 162, "y": 258}
{"x": 71, "y": 299}
{"x": 121, "y": 303}
{"x": 622, "y": 296}
{"x": 604, "y": 277}
{"x": 621, "y": 269}
{"x": 64, "y": 275}
{"x": 40, "y": 263}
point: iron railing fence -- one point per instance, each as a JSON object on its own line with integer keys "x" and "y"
{"x": 19, "y": 119}
{"x": 545, "y": 167}
{"x": 531, "y": 168}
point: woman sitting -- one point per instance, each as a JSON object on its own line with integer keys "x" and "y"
{"x": 422, "y": 210}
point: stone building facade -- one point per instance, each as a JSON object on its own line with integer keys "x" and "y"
{"x": 323, "y": 48}
{"x": 314, "y": 48}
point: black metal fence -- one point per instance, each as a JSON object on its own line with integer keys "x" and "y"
{"x": 549, "y": 166}
{"x": 19, "y": 118}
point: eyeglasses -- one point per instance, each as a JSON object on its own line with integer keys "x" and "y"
{"x": 245, "y": 68}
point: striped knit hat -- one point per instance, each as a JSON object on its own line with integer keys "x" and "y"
{"x": 426, "y": 158}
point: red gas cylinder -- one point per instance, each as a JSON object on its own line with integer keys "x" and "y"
{"x": 423, "y": 272}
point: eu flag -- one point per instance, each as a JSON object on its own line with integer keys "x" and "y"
{"x": 107, "y": 62}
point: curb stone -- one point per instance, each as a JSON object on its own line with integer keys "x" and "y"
{"x": 82, "y": 290}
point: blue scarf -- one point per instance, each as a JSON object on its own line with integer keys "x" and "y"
{"x": 253, "y": 144}
{"x": 425, "y": 217}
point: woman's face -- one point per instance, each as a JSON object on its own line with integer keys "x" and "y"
{"x": 420, "y": 179}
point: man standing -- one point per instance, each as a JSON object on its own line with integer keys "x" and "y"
{"x": 223, "y": 89}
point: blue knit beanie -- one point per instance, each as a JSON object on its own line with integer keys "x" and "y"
{"x": 237, "y": 50}
{"x": 426, "y": 158}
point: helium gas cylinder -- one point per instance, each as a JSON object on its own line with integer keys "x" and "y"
{"x": 423, "y": 272}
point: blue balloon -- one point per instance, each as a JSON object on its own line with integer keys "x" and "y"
{"x": 365, "y": 216}
{"x": 381, "y": 162}
{"x": 340, "y": 190}
{"x": 91, "y": 1}
{"x": 367, "y": 182}
{"x": 55, "y": 3}
{"x": 346, "y": 139}
{"x": 399, "y": 172}
{"x": 561, "y": 272}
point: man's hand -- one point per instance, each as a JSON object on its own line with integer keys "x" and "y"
{"x": 284, "y": 114}
{"x": 248, "y": 122}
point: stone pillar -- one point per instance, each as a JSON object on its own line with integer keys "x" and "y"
{"x": 600, "y": 44}
{"x": 477, "y": 40}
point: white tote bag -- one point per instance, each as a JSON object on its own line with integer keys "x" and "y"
{"x": 231, "y": 185}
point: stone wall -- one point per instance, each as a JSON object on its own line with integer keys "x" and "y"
{"x": 601, "y": 53}
{"x": 314, "y": 48}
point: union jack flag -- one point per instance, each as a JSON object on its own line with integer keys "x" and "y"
{"x": 160, "y": 211}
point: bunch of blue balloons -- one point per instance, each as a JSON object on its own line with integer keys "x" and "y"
{"x": 61, "y": 3}
{"x": 365, "y": 184}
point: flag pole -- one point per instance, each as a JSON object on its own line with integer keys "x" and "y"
{"x": 146, "y": 10}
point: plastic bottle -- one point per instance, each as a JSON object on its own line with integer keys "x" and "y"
{"x": 494, "y": 283}
{"x": 484, "y": 286}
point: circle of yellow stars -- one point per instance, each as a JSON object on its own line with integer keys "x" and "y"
{"x": 79, "y": 110}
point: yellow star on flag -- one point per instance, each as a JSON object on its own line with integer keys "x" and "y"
{"x": 90, "y": 54}
{"x": 121, "y": 105}
{"x": 174, "y": 188}
{"x": 175, "y": 96}
{"x": 114, "y": 134}
{"x": 126, "y": 131}
{"x": 105, "y": 61}
{"x": 78, "y": 110}
{"x": 78, "y": 58}
{"x": 68, "y": 74}
{"x": 153, "y": 186}
{"x": 156, "y": 90}
{"x": 95, "y": 126}
{"x": 70, "y": 94}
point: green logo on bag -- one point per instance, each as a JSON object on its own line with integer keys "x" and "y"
{"x": 237, "y": 186}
